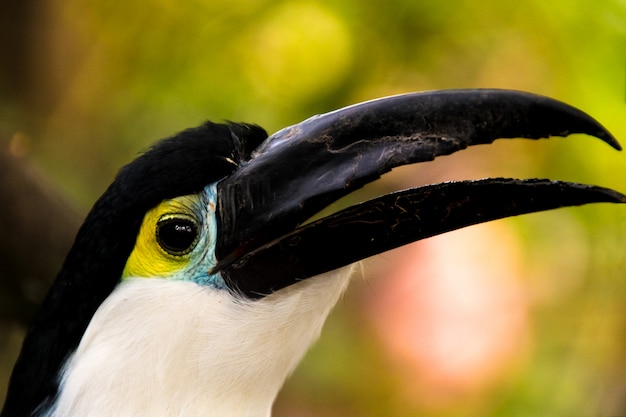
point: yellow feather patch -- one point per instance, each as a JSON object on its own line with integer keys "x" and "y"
{"x": 148, "y": 259}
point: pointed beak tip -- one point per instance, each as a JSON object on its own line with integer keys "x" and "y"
{"x": 619, "y": 198}
{"x": 607, "y": 137}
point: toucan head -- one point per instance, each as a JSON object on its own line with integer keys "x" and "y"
{"x": 223, "y": 209}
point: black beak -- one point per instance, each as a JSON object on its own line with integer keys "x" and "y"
{"x": 300, "y": 170}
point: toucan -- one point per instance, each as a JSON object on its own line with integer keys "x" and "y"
{"x": 198, "y": 280}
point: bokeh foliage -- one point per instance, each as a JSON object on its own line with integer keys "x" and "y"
{"x": 95, "y": 83}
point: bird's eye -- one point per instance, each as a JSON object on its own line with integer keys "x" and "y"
{"x": 177, "y": 234}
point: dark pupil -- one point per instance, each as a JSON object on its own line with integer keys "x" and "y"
{"x": 176, "y": 235}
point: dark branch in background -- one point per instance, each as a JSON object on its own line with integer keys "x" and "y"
{"x": 37, "y": 228}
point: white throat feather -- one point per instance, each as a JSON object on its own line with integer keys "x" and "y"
{"x": 159, "y": 347}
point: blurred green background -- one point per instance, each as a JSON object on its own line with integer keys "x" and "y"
{"x": 522, "y": 317}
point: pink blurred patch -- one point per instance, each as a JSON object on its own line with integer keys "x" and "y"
{"x": 452, "y": 314}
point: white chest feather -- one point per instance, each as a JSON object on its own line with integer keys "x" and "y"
{"x": 172, "y": 348}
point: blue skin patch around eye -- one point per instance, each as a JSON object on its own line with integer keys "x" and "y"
{"x": 202, "y": 257}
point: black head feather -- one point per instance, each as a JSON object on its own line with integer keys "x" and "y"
{"x": 180, "y": 165}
